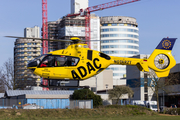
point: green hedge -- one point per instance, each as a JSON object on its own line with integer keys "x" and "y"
{"x": 172, "y": 111}
{"x": 86, "y": 94}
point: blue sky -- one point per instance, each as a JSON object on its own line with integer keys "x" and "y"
{"x": 156, "y": 19}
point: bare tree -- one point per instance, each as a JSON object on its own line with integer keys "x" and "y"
{"x": 7, "y": 74}
{"x": 8, "y": 80}
{"x": 2, "y": 87}
{"x": 156, "y": 84}
{"x": 118, "y": 91}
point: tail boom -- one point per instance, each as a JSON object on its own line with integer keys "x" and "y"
{"x": 140, "y": 63}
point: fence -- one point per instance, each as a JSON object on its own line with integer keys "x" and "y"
{"x": 88, "y": 104}
{"x": 45, "y": 103}
{"x": 9, "y": 103}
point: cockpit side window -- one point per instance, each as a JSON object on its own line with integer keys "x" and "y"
{"x": 66, "y": 61}
{"x": 50, "y": 61}
{"x": 58, "y": 61}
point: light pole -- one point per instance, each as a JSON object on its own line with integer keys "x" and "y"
{"x": 163, "y": 97}
{"x": 96, "y": 83}
{"x": 106, "y": 88}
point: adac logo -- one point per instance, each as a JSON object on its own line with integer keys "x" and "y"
{"x": 166, "y": 44}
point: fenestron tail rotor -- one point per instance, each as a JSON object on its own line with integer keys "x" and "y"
{"x": 161, "y": 61}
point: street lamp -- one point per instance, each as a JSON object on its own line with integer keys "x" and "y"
{"x": 106, "y": 88}
{"x": 96, "y": 83}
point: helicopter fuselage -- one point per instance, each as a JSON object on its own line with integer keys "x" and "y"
{"x": 78, "y": 62}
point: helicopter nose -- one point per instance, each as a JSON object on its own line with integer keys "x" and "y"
{"x": 32, "y": 64}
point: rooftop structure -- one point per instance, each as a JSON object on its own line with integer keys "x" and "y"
{"x": 76, "y": 5}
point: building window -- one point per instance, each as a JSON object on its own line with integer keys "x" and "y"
{"x": 34, "y": 43}
{"x": 121, "y": 24}
{"x": 117, "y": 74}
{"x": 114, "y": 24}
{"x": 105, "y": 25}
{"x": 120, "y": 35}
{"x": 146, "y": 97}
{"x": 93, "y": 89}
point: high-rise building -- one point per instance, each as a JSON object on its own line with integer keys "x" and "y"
{"x": 53, "y": 34}
{"x": 32, "y": 32}
{"x": 95, "y": 32}
{"x": 24, "y": 51}
{"x": 119, "y": 37}
{"x": 75, "y": 27}
{"x": 76, "y": 5}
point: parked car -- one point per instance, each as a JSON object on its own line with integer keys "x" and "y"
{"x": 152, "y": 105}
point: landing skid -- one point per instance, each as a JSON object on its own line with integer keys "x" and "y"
{"x": 63, "y": 84}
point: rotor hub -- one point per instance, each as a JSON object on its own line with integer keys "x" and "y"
{"x": 161, "y": 61}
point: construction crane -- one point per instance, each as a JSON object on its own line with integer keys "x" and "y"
{"x": 44, "y": 34}
{"x": 87, "y": 11}
{"x": 84, "y": 13}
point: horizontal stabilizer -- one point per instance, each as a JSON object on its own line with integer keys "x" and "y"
{"x": 163, "y": 74}
{"x": 142, "y": 66}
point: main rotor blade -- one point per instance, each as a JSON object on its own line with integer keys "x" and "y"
{"x": 54, "y": 40}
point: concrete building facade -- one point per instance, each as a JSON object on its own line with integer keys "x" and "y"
{"x": 102, "y": 81}
{"x": 24, "y": 51}
{"x": 32, "y": 32}
{"x": 53, "y": 34}
{"x": 139, "y": 82}
{"x": 119, "y": 37}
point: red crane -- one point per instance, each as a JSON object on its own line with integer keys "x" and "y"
{"x": 44, "y": 34}
{"x": 87, "y": 11}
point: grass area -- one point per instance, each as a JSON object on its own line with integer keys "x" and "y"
{"x": 112, "y": 112}
{"x": 144, "y": 117}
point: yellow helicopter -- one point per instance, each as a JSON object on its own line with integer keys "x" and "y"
{"x": 78, "y": 62}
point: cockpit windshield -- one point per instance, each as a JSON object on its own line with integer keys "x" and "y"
{"x": 36, "y": 61}
{"x": 58, "y": 61}
{"x": 39, "y": 58}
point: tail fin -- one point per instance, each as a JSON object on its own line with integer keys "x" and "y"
{"x": 166, "y": 44}
{"x": 161, "y": 60}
